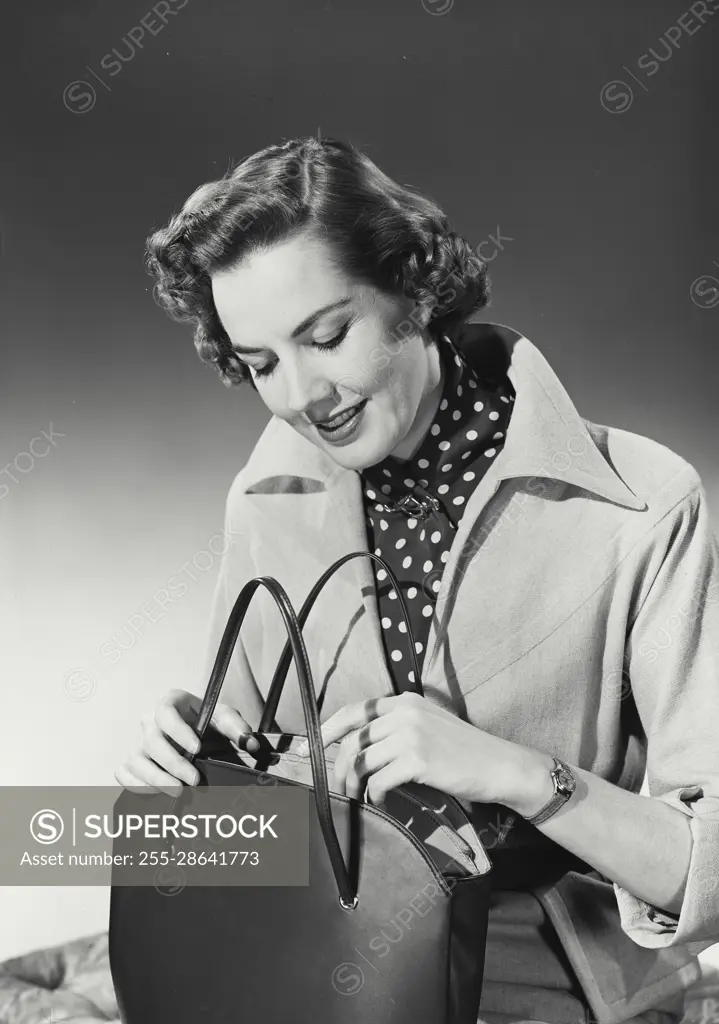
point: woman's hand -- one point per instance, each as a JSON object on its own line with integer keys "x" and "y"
{"x": 389, "y": 741}
{"x": 158, "y": 763}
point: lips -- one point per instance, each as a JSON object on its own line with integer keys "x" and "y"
{"x": 341, "y": 418}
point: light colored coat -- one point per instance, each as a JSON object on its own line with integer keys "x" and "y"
{"x": 578, "y": 614}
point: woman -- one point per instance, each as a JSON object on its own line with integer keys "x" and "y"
{"x": 562, "y": 577}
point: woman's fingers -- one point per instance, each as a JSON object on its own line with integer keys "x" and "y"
{"x": 158, "y": 748}
{"x": 168, "y": 735}
{"x": 179, "y": 708}
{"x": 139, "y": 769}
{"x": 130, "y": 781}
{"x": 148, "y": 771}
{"x": 230, "y": 723}
{"x": 158, "y": 765}
{"x": 173, "y": 716}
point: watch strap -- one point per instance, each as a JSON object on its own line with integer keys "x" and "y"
{"x": 558, "y": 800}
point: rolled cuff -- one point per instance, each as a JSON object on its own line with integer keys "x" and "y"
{"x": 697, "y": 924}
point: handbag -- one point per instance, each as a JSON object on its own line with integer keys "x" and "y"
{"x": 223, "y": 954}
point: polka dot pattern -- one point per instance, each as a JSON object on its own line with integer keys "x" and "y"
{"x": 463, "y": 441}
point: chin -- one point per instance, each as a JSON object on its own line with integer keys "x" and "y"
{"x": 349, "y": 459}
{"x": 359, "y": 456}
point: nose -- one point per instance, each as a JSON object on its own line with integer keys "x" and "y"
{"x": 306, "y": 389}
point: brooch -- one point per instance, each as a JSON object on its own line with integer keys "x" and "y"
{"x": 414, "y": 508}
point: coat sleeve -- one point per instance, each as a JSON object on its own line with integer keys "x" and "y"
{"x": 239, "y": 688}
{"x": 673, "y": 664}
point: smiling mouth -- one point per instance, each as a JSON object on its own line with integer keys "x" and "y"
{"x": 342, "y": 418}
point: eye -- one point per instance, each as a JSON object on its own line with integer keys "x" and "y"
{"x": 266, "y": 371}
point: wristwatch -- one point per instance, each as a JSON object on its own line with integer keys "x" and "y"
{"x": 564, "y": 786}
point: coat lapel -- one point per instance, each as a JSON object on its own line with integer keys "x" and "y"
{"x": 343, "y": 632}
{"x": 346, "y": 525}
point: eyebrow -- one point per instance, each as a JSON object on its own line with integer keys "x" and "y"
{"x": 308, "y": 322}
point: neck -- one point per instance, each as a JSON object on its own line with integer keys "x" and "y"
{"x": 427, "y": 409}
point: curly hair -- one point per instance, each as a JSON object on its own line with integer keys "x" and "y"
{"x": 380, "y": 232}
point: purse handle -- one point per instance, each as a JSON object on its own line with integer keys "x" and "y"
{"x": 268, "y": 724}
{"x": 348, "y": 898}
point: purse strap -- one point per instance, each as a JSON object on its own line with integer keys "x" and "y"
{"x": 268, "y": 724}
{"x": 348, "y": 898}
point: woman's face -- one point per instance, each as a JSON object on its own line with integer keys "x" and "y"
{"x": 281, "y": 306}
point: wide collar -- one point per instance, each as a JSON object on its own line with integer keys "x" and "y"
{"x": 546, "y": 436}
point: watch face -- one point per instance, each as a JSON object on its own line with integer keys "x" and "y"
{"x": 565, "y": 781}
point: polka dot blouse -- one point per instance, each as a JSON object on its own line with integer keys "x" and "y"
{"x": 466, "y": 435}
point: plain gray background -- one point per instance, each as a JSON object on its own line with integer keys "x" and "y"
{"x": 554, "y": 125}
